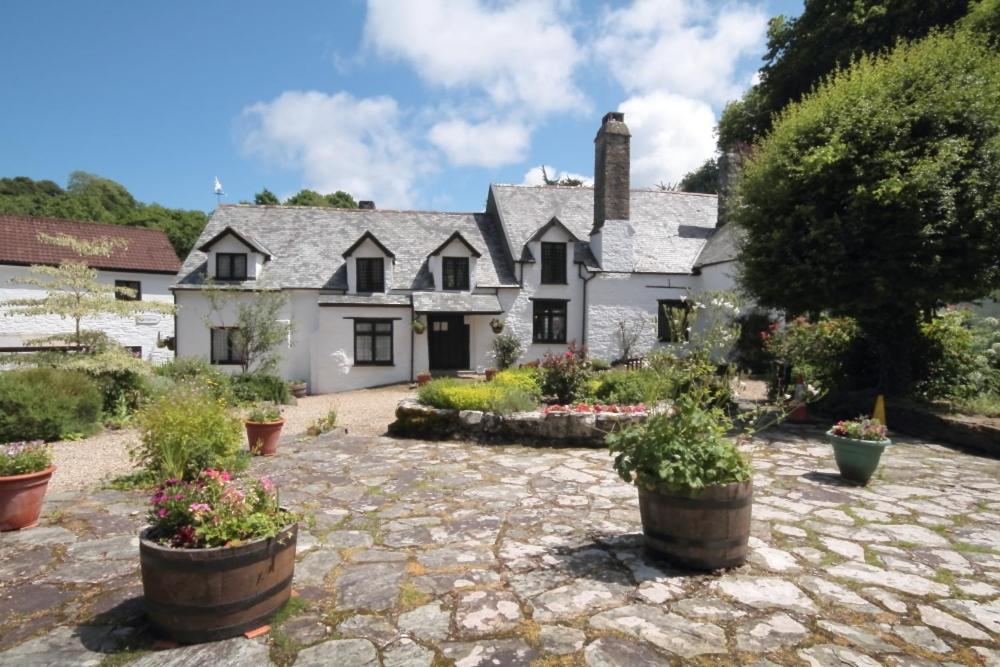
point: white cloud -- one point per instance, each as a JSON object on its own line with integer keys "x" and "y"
{"x": 534, "y": 176}
{"x": 338, "y": 142}
{"x": 684, "y": 47}
{"x": 521, "y": 53}
{"x": 487, "y": 144}
{"x": 671, "y": 135}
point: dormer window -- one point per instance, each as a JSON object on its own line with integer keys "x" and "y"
{"x": 455, "y": 273}
{"x": 231, "y": 266}
{"x": 553, "y": 263}
{"x": 371, "y": 274}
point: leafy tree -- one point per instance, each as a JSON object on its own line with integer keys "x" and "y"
{"x": 306, "y": 197}
{"x": 341, "y": 199}
{"x": 704, "y": 179}
{"x": 260, "y": 328}
{"x": 829, "y": 34}
{"x": 265, "y": 198}
{"x": 73, "y": 290}
{"x": 877, "y": 198}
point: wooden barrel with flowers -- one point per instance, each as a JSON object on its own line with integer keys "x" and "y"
{"x": 205, "y": 593}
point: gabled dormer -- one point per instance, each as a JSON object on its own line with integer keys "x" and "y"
{"x": 369, "y": 266}
{"x": 453, "y": 264}
{"x": 234, "y": 256}
{"x": 551, "y": 248}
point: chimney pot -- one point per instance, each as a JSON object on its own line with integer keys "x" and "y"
{"x": 366, "y": 204}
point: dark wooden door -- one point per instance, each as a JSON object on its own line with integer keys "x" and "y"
{"x": 448, "y": 341}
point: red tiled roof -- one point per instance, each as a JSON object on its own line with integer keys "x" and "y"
{"x": 148, "y": 250}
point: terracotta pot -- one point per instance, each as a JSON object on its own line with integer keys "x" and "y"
{"x": 423, "y": 378}
{"x": 298, "y": 389}
{"x": 263, "y": 437}
{"x": 706, "y": 531}
{"x": 799, "y": 415}
{"x": 200, "y": 595}
{"x": 21, "y": 498}
{"x": 491, "y": 373}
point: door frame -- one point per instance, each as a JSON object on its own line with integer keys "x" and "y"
{"x": 457, "y": 321}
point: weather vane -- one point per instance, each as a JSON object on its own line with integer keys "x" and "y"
{"x": 218, "y": 190}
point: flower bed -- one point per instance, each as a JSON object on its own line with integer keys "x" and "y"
{"x": 579, "y": 424}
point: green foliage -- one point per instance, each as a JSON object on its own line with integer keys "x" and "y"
{"x": 812, "y": 351}
{"x": 323, "y": 425}
{"x": 751, "y": 354}
{"x": 829, "y": 34}
{"x": 598, "y": 364}
{"x": 260, "y": 327}
{"x": 451, "y": 394}
{"x": 506, "y": 350}
{"x": 196, "y": 371}
{"x": 264, "y": 413}
{"x": 257, "y": 387}
{"x": 645, "y": 385}
{"x": 525, "y": 380}
{"x": 958, "y": 361}
{"x": 23, "y": 458}
{"x": 90, "y": 197}
{"x": 338, "y": 199}
{"x": 875, "y": 197}
{"x": 214, "y": 511}
{"x": 265, "y": 198}
{"x": 47, "y": 404}
{"x": 704, "y": 179}
{"x": 685, "y": 450}
{"x": 186, "y": 431}
{"x": 565, "y": 375}
{"x": 986, "y": 405}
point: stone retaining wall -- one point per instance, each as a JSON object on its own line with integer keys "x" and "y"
{"x": 564, "y": 428}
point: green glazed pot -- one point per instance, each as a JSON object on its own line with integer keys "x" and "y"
{"x": 857, "y": 459}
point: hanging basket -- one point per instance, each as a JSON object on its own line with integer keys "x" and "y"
{"x": 497, "y": 325}
{"x": 418, "y": 326}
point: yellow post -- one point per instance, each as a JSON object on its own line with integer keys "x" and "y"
{"x": 879, "y": 413}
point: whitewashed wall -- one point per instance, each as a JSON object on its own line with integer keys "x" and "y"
{"x": 368, "y": 249}
{"x": 332, "y": 349}
{"x": 231, "y": 244}
{"x": 717, "y": 277}
{"x": 143, "y": 330}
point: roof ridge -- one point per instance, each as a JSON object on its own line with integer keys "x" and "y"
{"x": 351, "y": 210}
{"x": 591, "y": 187}
{"x": 93, "y": 223}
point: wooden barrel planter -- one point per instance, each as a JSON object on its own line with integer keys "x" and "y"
{"x": 201, "y": 595}
{"x": 704, "y": 532}
{"x": 21, "y": 498}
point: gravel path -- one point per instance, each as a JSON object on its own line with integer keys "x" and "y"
{"x": 100, "y": 458}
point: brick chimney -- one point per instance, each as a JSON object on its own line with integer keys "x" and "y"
{"x": 366, "y": 204}
{"x": 611, "y": 170}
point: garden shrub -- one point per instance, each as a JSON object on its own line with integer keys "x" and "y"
{"x": 523, "y": 379}
{"x": 565, "y": 375}
{"x": 750, "y": 353}
{"x": 957, "y": 357}
{"x": 255, "y": 387}
{"x": 812, "y": 351}
{"x": 451, "y": 394}
{"x": 47, "y": 404}
{"x": 186, "y": 431}
{"x": 506, "y": 350}
{"x": 624, "y": 387}
{"x": 598, "y": 364}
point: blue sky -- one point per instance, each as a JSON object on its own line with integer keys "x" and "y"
{"x": 412, "y": 104}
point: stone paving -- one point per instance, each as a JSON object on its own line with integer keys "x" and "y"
{"x": 420, "y": 554}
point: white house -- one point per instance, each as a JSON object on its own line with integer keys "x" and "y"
{"x": 148, "y": 265}
{"x": 556, "y": 264}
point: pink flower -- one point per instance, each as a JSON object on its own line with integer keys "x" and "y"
{"x": 200, "y": 507}
{"x": 267, "y": 484}
{"x": 162, "y": 512}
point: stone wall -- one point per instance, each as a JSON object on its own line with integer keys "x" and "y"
{"x": 415, "y": 420}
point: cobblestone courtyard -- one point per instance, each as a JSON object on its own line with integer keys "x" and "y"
{"x": 432, "y": 553}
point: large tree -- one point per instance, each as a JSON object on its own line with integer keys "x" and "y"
{"x": 704, "y": 179}
{"x": 306, "y": 197}
{"x": 829, "y": 34}
{"x": 878, "y": 196}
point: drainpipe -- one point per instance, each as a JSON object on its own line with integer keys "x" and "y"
{"x": 583, "y": 329}
{"x": 412, "y": 338}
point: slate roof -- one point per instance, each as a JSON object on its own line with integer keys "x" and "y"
{"x": 450, "y": 302}
{"x": 307, "y": 244}
{"x": 148, "y": 250}
{"x": 364, "y": 300}
{"x": 724, "y": 246}
{"x": 672, "y": 228}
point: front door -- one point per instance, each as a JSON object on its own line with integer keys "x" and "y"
{"x": 448, "y": 338}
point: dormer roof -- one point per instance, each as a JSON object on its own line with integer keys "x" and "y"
{"x": 457, "y": 236}
{"x": 243, "y": 237}
{"x": 368, "y": 236}
{"x": 526, "y": 255}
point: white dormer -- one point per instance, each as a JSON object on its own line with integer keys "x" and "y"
{"x": 369, "y": 266}
{"x": 453, "y": 264}
{"x": 551, "y": 250}
{"x": 234, "y": 256}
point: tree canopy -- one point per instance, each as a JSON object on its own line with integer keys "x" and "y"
{"x": 306, "y": 197}
{"x": 831, "y": 34}
{"x": 97, "y": 199}
{"x": 704, "y": 179}
{"x": 878, "y": 196}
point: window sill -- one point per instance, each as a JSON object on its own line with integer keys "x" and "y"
{"x": 226, "y": 363}
{"x": 548, "y": 342}
{"x": 542, "y": 282}
{"x": 362, "y": 364}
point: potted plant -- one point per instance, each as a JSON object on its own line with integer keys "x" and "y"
{"x": 491, "y": 373}
{"x": 497, "y": 325}
{"x": 423, "y": 378}
{"x": 418, "y": 326}
{"x": 25, "y": 470}
{"x": 298, "y": 388}
{"x": 857, "y": 446}
{"x": 264, "y": 425}
{"x": 695, "y": 487}
{"x": 217, "y": 557}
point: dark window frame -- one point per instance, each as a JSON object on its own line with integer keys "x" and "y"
{"x": 547, "y": 310}
{"x": 553, "y": 267}
{"x": 233, "y": 357}
{"x": 368, "y": 274}
{"x": 374, "y": 334}
{"x": 461, "y": 278}
{"x": 231, "y": 273}
{"x": 128, "y": 284}
{"x": 664, "y": 325}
